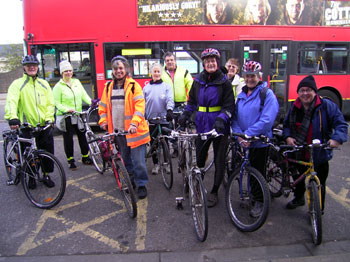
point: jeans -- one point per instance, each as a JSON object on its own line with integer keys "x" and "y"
{"x": 134, "y": 160}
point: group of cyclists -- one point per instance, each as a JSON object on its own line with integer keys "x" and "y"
{"x": 217, "y": 98}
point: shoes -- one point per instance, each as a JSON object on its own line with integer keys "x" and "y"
{"x": 47, "y": 181}
{"x": 175, "y": 154}
{"x": 155, "y": 169}
{"x": 257, "y": 209}
{"x": 212, "y": 199}
{"x": 86, "y": 160}
{"x": 142, "y": 192}
{"x": 296, "y": 202}
{"x": 72, "y": 164}
{"x": 31, "y": 183}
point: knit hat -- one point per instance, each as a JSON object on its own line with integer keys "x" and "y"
{"x": 308, "y": 81}
{"x": 64, "y": 66}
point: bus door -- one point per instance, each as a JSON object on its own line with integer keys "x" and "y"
{"x": 277, "y": 72}
{"x": 253, "y": 51}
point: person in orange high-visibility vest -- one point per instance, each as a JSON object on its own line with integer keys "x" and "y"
{"x": 122, "y": 107}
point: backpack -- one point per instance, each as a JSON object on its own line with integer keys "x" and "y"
{"x": 262, "y": 97}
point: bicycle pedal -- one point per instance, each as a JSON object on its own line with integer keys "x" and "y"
{"x": 179, "y": 201}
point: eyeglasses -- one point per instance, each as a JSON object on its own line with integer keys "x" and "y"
{"x": 306, "y": 90}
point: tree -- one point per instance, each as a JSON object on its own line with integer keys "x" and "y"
{"x": 13, "y": 54}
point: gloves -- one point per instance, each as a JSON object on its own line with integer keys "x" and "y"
{"x": 14, "y": 122}
{"x": 94, "y": 102}
{"x": 169, "y": 115}
{"x": 183, "y": 118}
{"x": 219, "y": 125}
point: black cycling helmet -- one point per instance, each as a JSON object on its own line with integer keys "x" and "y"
{"x": 210, "y": 52}
{"x": 251, "y": 68}
{"x": 30, "y": 59}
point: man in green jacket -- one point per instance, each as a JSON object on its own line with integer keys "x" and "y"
{"x": 180, "y": 80}
{"x": 30, "y": 99}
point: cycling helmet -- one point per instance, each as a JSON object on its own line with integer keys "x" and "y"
{"x": 210, "y": 52}
{"x": 119, "y": 57}
{"x": 251, "y": 67}
{"x": 30, "y": 59}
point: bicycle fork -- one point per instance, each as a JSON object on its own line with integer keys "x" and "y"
{"x": 307, "y": 179}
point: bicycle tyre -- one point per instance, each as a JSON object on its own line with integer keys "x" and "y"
{"x": 209, "y": 163}
{"x": 239, "y": 205}
{"x": 274, "y": 173}
{"x": 125, "y": 186}
{"x": 12, "y": 158}
{"x": 315, "y": 212}
{"x": 165, "y": 164}
{"x": 43, "y": 196}
{"x": 199, "y": 207}
{"x": 183, "y": 166}
{"x": 95, "y": 152}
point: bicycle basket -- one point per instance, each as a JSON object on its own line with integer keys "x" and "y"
{"x": 104, "y": 150}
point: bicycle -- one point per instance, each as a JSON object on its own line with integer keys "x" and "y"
{"x": 112, "y": 157}
{"x": 160, "y": 148}
{"x": 247, "y": 188}
{"x": 40, "y": 172}
{"x": 280, "y": 174}
{"x": 95, "y": 151}
{"x": 192, "y": 179}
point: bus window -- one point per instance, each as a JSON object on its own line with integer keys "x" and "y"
{"x": 336, "y": 58}
{"x": 185, "y": 60}
{"x": 139, "y": 55}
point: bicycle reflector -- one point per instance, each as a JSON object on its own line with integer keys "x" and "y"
{"x": 104, "y": 150}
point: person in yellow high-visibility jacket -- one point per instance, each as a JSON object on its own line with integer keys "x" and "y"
{"x": 122, "y": 107}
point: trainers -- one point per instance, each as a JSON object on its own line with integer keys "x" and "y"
{"x": 86, "y": 160}
{"x": 72, "y": 164}
{"x": 296, "y": 202}
{"x": 31, "y": 183}
{"x": 257, "y": 209}
{"x": 47, "y": 181}
{"x": 155, "y": 169}
{"x": 142, "y": 192}
{"x": 175, "y": 154}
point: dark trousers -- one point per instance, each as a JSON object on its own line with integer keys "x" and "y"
{"x": 322, "y": 171}
{"x": 68, "y": 139}
{"x": 44, "y": 140}
{"x": 220, "y": 145}
{"x": 257, "y": 158}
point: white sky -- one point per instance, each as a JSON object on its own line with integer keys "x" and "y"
{"x": 11, "y": 22}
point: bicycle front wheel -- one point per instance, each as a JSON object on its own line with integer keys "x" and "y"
{"x": 199, "y": 207}
{"x": 247, "y": 199}
{"x": 95, "y": 152}
{"x": 43, "y": 179}
{"x": 315, "y": 211}
{"x": 125, "y": 186}
{"x": 166, "y": 166}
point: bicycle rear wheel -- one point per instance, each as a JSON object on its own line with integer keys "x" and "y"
{"x": 43, "y": 179}
{"x": 315, "y": 211}
{"x": 244, "y": 193}
{"x": 10, "y": 158}
{"x": 274, "y": 173}
{"x": 95, "y": 152}
{"x": 125, "y": 186}
{"x": 165, "y": 164}
{"x": 199, "y": 207}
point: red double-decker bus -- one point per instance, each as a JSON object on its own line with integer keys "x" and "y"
{"x": 290, "y": 38}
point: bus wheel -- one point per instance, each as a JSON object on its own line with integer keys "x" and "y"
{"x": 331, "y": 96}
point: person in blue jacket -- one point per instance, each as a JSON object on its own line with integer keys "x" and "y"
{"x": 311, "y": 117}
{"x": 253, "y": 119}
{"x": 211, "y": 97}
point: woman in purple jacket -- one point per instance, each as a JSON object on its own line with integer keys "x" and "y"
{"x": 211, "y": 97}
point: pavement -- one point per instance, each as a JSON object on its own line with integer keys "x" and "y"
{"x": 326, "y": 252}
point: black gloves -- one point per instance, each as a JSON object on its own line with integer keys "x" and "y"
{"x": 219, "y": 125}
{"x": 169, "y": 115}
{"x": 94, "y": 102}
{"x": 184, "y": 117}
{"x": 14, "y": 122}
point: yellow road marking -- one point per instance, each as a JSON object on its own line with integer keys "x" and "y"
{"x": 141, "y": 224}
{"x": 340, "y": 197}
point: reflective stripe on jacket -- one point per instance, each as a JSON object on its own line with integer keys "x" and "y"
{"x": 30, "y": 99}
{"x": 181, "y": 85}
{"x": 69, "y": 97}
{"x": 134, "y": 112}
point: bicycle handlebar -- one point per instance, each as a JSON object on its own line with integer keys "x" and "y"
{"x": 203, "y": 136}
{"x": 247, "y": 138}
